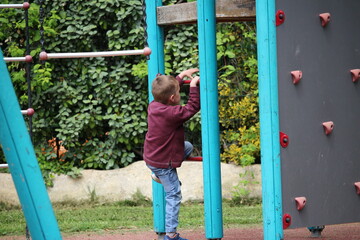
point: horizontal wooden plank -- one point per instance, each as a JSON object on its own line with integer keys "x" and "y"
{"x": 226, "y": 11}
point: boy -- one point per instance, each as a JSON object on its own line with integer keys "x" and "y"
{"x": 165, "y": 148}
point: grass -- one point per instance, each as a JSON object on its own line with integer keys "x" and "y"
{"x": 125, "y": 216}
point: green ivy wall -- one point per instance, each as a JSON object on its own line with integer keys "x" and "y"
{"x": 96, "y": 107}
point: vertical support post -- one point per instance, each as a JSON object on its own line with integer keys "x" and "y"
{"x": 156, "y": 65}
{"x": 23, "y": 165}
{"x": 28, "y": 70}
{"x": 269, "y": 120}
{"x": 209, "y": 118}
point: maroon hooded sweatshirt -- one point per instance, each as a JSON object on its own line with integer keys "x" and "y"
{"x": 164, "y": 141}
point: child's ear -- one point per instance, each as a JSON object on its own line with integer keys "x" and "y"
{"x": 172, "y": 98}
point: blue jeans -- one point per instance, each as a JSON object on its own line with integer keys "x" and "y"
{"x": 170, "y": 181}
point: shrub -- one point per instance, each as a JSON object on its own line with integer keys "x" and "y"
{"x": 96, "y": 107}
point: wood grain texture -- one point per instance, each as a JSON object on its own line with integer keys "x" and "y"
{"x": 226, "y": 11}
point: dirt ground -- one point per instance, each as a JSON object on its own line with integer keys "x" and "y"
{"x": 333, "y": 232}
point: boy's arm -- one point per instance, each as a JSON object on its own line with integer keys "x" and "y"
{"x": 183, "y": 113}
{"x": 195, "y": 81}
{"x": 187, "y": 73}
{"x": 179, "y": 79}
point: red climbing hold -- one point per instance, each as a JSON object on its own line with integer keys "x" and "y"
{"x": 286, "y": 220}
{"x": 284, "y": 140}
{"x": 296, "y": 76}
{"x": 357, "y": 187}
{"x": 355, "y": 73}
{"x": 328, "y": 127}
{"x": 325, "y": 19}
{"x": 280, "y": 17}
{"x": 300, "y": 203}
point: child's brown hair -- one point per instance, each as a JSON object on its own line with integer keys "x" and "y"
{"x": 163, "y": 87}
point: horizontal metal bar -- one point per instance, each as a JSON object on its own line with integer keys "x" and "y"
{"x": 45, "y": 56}
{"x": 27, "y": 58}
{"x": 25, "y": 5}
{"x": 29, "y": 112}
{"x": 4, "y": 165}
{"x": 196, "y": 159}
{"x": 187, "y": 81}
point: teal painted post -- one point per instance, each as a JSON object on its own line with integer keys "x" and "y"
{"x": 269, "y": 120}
{"x": 210, "y": 119}
{"x": 23, "y": 165}
{"x": 156, "y": 65}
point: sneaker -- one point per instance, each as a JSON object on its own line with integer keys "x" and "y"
{"x": 176, "y": 237}
{"x": 155, "y": 178}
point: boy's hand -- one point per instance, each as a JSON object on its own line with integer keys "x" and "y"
{"x": 188, "y": 73}
{"x": 194, "y": 81}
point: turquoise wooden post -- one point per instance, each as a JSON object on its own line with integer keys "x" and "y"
{"x": 156, "y": 65}
{"x": 210, "y": 119}
{"x": 23, "y": 165}
{"x": 269, "y": 120}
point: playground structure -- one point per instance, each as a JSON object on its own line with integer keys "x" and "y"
{"x": 325, "y": 148}
{"x": 212, "y": 180}
{"x": 16, "y": 141}
{"x": 209, "y": 115}
{"x": 308, "y": 101}
{"x": 308, "y": 68}
{"x": 45, "y": 56}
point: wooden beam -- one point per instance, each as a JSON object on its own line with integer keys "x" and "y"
{"x": 226, "y": 11}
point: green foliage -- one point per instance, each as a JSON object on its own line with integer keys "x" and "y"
{"x": 96, "y": 107}
{"x": 50, "y": 166}
{"x": 181, "y": 53}
{"x": 100, "y": 109}
{"x": 238, "y": 105}
{"x": 181, "y": 49}
{"x": 238, "y": 94}
{"x": 241, "y": 195}
{"x": 12, "y": 43}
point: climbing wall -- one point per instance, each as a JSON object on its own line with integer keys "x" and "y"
{"x": 318, "y": 44}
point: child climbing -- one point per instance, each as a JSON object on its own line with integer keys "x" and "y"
{"x": 165, "y": 147}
